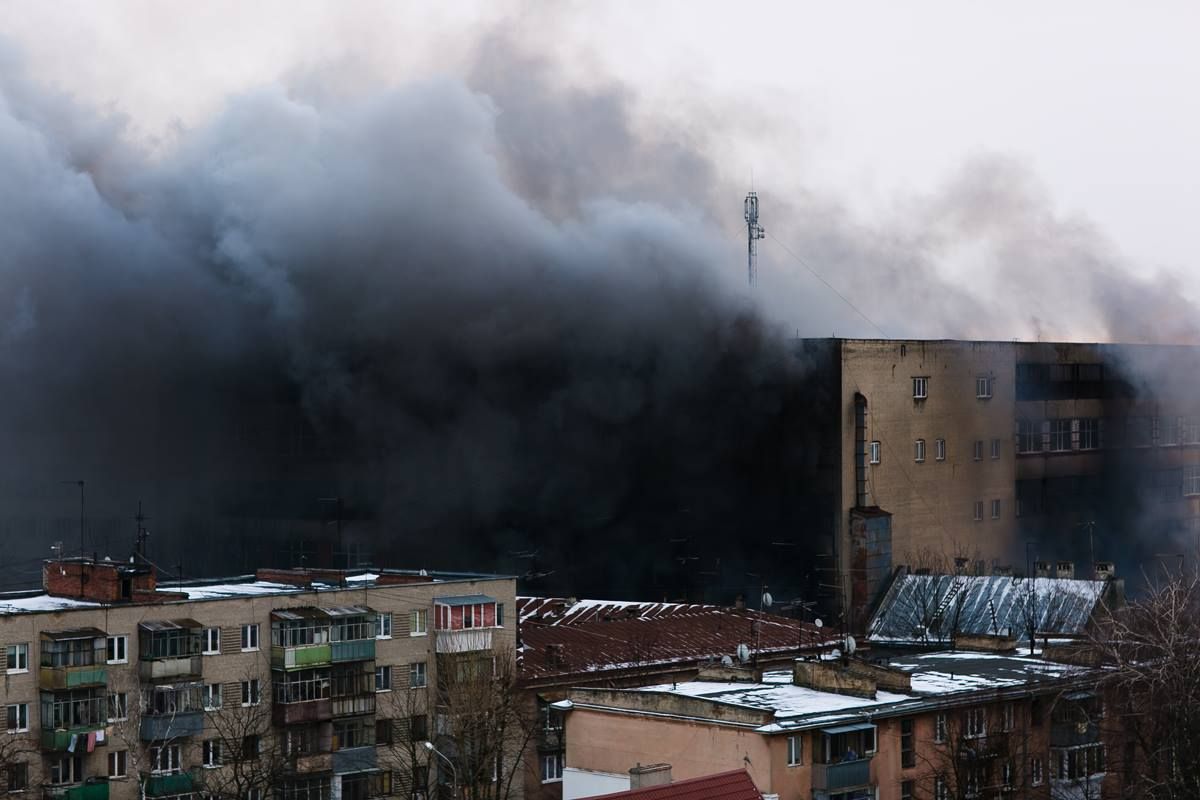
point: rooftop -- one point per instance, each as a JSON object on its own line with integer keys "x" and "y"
{"x": 569, "y": 611}
{"x": 735, "y": 785}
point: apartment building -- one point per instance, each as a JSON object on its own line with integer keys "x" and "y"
{"x": 939, "y": 725}
{"x": 1000, "y": 454}
{"x": 309, "y": 685}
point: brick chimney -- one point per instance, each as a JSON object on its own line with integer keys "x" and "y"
{"x": 103, "y": 581}
{"x": 649, "y": 775}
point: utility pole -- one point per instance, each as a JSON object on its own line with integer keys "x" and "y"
{"x": 82, "y": 527}
{"x": 139, "y": 539}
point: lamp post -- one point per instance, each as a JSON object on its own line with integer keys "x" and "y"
{"x": 453, "y": 772}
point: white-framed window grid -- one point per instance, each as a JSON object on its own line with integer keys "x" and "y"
{"x": 17, "y": 657}
{"x": 383, "y": 679}
{"x": 875, "y": 450}
{"x": 995, "y": 453}
{"x": 983, "y": 387}
{"x": 18, "y": 717}
{"x": 939, "y": 449}
{"x": 977, "y": 513}
{"x": 795, "y": 750}
{"x": 251, "y": 692}
{"x": 383, "y": 625}
{"x": 250, "y": 637}
{"x": 919, "y": 450}
{"x": 118, "y": 764}
{"x": 920, "y": 384}
{"x": 117, "y": 649}
{"x": 995, "y": 509}
{"x": 417, "y": 675}
{"x": 211, "y": 642}
{"x": 418, "y": 622}
{"x": 977, "y": 450}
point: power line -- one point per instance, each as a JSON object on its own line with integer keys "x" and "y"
{"x": 828, "y": 285}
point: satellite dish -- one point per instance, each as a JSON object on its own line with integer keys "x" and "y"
{"x": 743, "y": 653}
{"x": 818, "y": 623}
{"x": 851, "y": 645}
{"x": 726, "y": 661}
{"x": 767, "y": 600}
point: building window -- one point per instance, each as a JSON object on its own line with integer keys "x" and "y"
{"x": 418, "y": 622}
{"x": 939, "y": 449}
{"x": 1029, "y": 436}
{"x": 939, "y": 728}
{"x": 1006, "y": 775}
{"x": 1089, "y": 434}
{"x": 906, "y": 790}
{"x": 795, "y": 750}
{"x": 212, "y": 753}
{"x": 251, "y": 747}
{"x": 976, "y": 723}
{"x": 977, "y": 450}
{"x": 18, "y": 718}
{"x": 416, "y": 675}
{"x": 68, "y": 769}
{"x": 17, "y": 776}
{"x": 995, "y": 448}
{"x": 383, "y": 731}
{"x": 212, "y": 642}
{"x": 920, "y": 388}
{"x": 1167, "y": 430}
{"x": 1010, "y": 716}
{"x": 251, "y": 694}
{"x": 383, "y": 679}
{"x": 164, "y": 760}
{"x": 118, "y": 706}
{"x": 940, "y": 790}
{"x": 995, "y": 509}
{"x": 1191, "y": 479}
{"x": 499, "y": 615}
{"x": 18, "y": 658}
{"x": 212, "y": 696}
{"x": 875, "y": 450}
{"x": 552, "y": 767}
{"x": 978, "y": 513}
{"x": 418, "y": 727}
{"x": 118, "y": 650}
{"x": 1035, "y": 771}
{"x": 383, "y": 626}
{"x": 1060, "y": 435}
{"x": 983, "y": 387}
{"x": 250, "y": 637}
{"x": 908, "y": 753}
{"x": 919, "y": 450}
{"x": 1081, "y": 762}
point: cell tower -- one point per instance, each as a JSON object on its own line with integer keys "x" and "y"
{"x": 754, "y": 232}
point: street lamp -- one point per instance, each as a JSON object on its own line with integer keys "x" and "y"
{"x": 453, "y": 772}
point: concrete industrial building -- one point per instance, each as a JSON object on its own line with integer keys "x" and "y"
{"x": 304, "y": 683}
{"x": 977, "y": 455}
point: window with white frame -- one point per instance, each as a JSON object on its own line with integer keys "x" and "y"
{"x": 212, "y": 696}
{"x": 18, "y": 717}
{"x": 1166, "y": 431}
{"x": 118, "y": 650}
{"x": 251, "y": 692}
{"x": 118, "y": 706}
{"x": 1029, "y": 436}
{"x": 17, "y": 776}
{"x": 939, "y": 449}
{"x": 941, "y": 790}
{"x": 383, "y": 679}
{"x": 1010, "y": 716}
{"x": 995, "y": 448}
{"x": 212, "y": 753}
{"x": 1191, "y": 479}
{"x": 1060, "y": 435}
{"x": 212, "y": 642}
{"x": 1089, "y": 434}
{"x": 499, "y": 615}
{"x": 418, "y": 622}
{"x": 250, "y": 637}
{"x": 983, "y": 387}
{"x": 977, "y": 514}
{"x": 795, "y": 750}
{"x": 976, "y": 722}
{"x": 995, "y": 509}
{"x": 1035, "y": 771}
{"x": 875, "y": 450}
{"x": 939, "y": 728}
{"x": 1006, "y": 774}
{"x": 383, "y": 625}
{"x": 416, "y": 675}
{"x": 920, "y": 387}
{"x": 118, "y": 764}
{"x": 164, "y": 760}
{"x": 68, "y": 769}
{"x": 18, "y": 658}
{"x": 977, "y": 450}
{"x": 552, "y": 767}
{"x": 919, "y": 450}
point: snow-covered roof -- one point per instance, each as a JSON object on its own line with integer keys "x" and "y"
{"x": 40, "y": 602}
{"x": 217, "y": 591}
{"x": 569, "y": 611}
{"x": 933, "y": 609}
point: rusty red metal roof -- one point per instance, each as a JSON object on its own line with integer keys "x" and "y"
{"x": 569, "y": 611}
{"x": 735, "y": 785}
{"x": 604, "y": 645}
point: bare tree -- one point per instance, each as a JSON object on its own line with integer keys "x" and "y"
{"x": 242, "y": 755}
{"x": 403, "y": 720}
{"x": 16, "y": 751}
{"x": 977, "y": 751}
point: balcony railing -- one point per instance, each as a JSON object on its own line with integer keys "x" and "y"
{"x": 353, "y": 650}
{"x": 59, "y": 740}
{"x": 298, "y": 713}
{"x": 463, "y": 641}
{"x": 1066, "y": 734}
{"x": 313, "y": 762}
{"x": 354, "y": 705}
{"x": 162, "y": 669}
{"x": 845, "y": 775}
{"x": 74, "y": 677}
{"x": 156, "y": 727}
{"x": 171, "y": 784}
{"x": 307, "y": 655}
{"x": 354, "y": 759}
{"x": 93, "y": 790}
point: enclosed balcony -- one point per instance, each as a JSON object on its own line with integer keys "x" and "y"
{"x": 464, "y": 624}
{"x": 1075, "y": 720}
{"x": 352, "y": 633}
{"x": 172, "y": 711}
{"x": 93, "y": 789}
{"x": 353, "y": 689}
{"x": 842, "y": 758}
{"x": 72, "y": 659}
{"x": 301, "y": 696}
{"x": 71, "y": 717}
{"x": 299, "y": 638}
{"x": 167, "y": 784}
{"x": 169, "y": 649}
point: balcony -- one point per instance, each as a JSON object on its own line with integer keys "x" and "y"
{"x": 157, "y": 728}
{"x": 844, "y": 775}
{"x": 57, "y": 741}
{"x": 469, "y": 640}
{"x": 353, "y": 650}
{"x": 354, "y": 705}
{"x": 94, "y": 790}
{"x": 166, "y": 669}
{"x": 313, "y": 762}
{"x": 63, "y": 678}
{"x": 354, "y": 759}
{"x": 1066, "y": 734}
{"x": 318, "y": 710}
{"x": 301, "y": 656}
{"x": 166, "y": 785}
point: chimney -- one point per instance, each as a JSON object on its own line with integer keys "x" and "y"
{"x": 1041, "y": 569}
{"x": 649, "y": 775}
{"x": 1065, "y": 569}
{"x": 740, "y": 603}
{"x": 1104, "y": 570}
{"x": 1004, "y": 571}
{"x": 102, "y": 581}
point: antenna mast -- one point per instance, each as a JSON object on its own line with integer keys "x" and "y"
{"x": 754, "y": 232}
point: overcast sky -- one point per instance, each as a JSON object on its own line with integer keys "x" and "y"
{"x": 875, "y": 104}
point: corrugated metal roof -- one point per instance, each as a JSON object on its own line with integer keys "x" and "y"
{"x": 170, "y": 624}
{"x": 75, "y": 633}
{"x": 295, "y": 614}
{"x": 920, "y": 609}
{"x": 347, "y": 611}
{"x": 569, "y": 611}
{"x": 464, "y": 600}
{"x": 735, "y": 785}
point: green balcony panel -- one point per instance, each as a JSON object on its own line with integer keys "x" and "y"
{"x": 57, "y": 741}
{"x": 164, "y": 785}
{"x": 313, "y": 655}
{"x": 354, "y": 650}
{"x": 96, "y": 790}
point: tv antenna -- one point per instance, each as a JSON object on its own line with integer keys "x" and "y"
{"x": 754, "y": 232}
